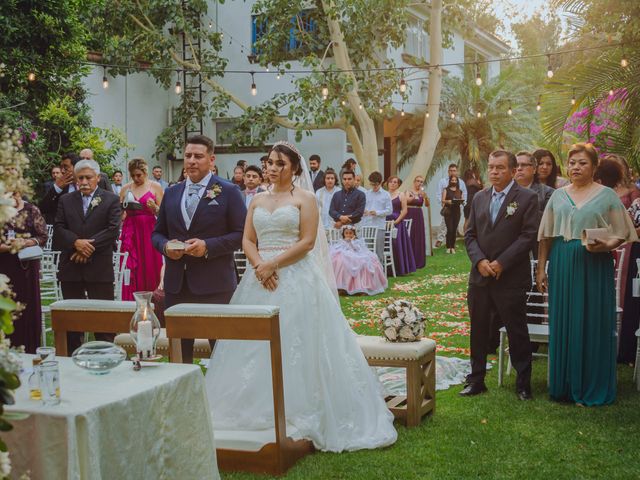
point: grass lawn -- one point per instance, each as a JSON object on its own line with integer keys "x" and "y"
{"x": 493, "y": 435}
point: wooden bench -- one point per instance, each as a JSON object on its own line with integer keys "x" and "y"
{"x": 270, "y": 451}
{"x": 96, "y": 316}
{"x": 419, "y": 360}
{"x": 201, "y": 347}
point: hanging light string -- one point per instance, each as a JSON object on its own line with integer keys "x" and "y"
{"x": 280, "y": 70}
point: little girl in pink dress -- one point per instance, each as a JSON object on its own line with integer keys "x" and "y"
{"x": 356, "y": 268}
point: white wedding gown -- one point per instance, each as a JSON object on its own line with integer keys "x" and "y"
{"x": 332, "y": 396}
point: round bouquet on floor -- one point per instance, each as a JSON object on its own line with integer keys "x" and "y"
{"x": 401, "y": 321}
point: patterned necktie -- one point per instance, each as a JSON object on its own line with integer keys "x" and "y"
{"x": 86, "y": 199}
{"x": 495, "y": 205}
{"x": 193, "y": 198}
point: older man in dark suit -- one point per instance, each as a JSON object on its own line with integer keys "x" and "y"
{"x": 85, "y": 231}
{"x": 200, "y": 224}
{"x": 501, "y": 231}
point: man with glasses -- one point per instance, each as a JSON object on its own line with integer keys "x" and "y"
{"x": 526, "y": 177}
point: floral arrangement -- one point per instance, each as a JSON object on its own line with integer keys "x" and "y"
{"x": 402, "y": 322}
{"x": 12, "y": 164}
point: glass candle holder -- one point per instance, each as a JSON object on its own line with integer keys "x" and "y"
{"x": 49, "y": 382}
{"x": 144, "y": 327}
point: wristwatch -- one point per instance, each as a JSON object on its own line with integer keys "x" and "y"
{"x": 206, "y": 253}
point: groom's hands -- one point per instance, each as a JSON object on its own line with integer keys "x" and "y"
{"x": 195, "y": 247}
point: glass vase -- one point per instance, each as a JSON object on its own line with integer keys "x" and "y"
{"x": 144, "y": 327}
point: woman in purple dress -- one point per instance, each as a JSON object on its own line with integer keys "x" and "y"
{"x": 26, "y": 229}
{"x": 402, "y": 251}
{"x": 416, "y": 199}
{"x": 144, "y": 261}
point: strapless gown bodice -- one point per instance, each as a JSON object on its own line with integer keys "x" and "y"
{"x": 277, "y": 228}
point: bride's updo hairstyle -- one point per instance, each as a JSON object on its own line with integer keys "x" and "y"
{"x": 292, "y": 153}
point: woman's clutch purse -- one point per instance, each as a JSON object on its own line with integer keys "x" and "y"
{"x": 590, "y": 235}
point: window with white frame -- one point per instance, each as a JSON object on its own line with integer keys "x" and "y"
{"x": 225, "y": 125}
{"x": 416, "y": 39}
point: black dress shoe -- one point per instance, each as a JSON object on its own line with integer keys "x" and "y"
{"x": 524, "y": 395}
{"x": 472, "y": 389}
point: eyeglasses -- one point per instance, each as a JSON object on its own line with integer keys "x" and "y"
{"x": 523, "y": 165}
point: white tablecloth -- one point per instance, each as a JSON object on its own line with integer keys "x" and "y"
{"x": 151, "y": 424}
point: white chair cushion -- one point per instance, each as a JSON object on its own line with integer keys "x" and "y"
{"x": 381, "y": 349}
{"x": 94, "y": 305}
{"x": 215, "y": 310}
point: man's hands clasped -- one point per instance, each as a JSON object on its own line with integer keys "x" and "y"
{"x": 490, "y": 269}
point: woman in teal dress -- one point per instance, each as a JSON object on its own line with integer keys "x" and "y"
{"x": 582, "y": 302}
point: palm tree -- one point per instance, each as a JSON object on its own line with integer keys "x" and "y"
{"x": 475, "y": 121}
{"x": 584, "y": 86}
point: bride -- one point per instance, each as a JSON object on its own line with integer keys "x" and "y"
{"x": 332, "y": 397}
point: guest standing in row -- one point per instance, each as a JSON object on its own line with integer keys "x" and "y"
{"x": 442, "y": 184}
{"x": 252, "y": 183}
{"x": 582, "y": 302}
{"x": 548, "y": 170}
{"x": 85, "y": 232}
{"x": 473, "y": 182}
{"x": 347, "y": 205}
{"x": 402, "y": 249}
{"x": 416, "y": 200}
{"x": 376, "y": 210}
{"x": 157, "y": 177}
{"x": 144, "y": 262}
{"x": 27, "y": 228}
{"x": 500, "y": 234}
{"x": 527, "y": 178}
{"x": 317, "y": 175}
{"x": 116, "y": 182}
{"x": 324, "y": 196}
{"x": 451, "y": 202}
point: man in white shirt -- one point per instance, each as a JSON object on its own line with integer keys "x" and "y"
{"x": 324, "y": 196}
{"x": 442, "y": 184}
{"x": 376, "y": 210}
{"x": 116, "y": 186}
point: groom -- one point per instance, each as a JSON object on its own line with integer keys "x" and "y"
{"x": 502, "y": 228}
{"x": 206, "y": 214}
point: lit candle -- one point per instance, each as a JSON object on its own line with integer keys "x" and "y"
{"x": 145, "y": 338}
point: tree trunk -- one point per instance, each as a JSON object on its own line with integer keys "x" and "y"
{"x": 365, "y": 145}
{"x": 430, "y": 131}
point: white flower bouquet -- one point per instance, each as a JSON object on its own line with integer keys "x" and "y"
{"x": 402, "y": 322}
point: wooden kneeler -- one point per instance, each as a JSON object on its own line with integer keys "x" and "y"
{"x": 242, "y": 322}
{"x": 96, "y": 316}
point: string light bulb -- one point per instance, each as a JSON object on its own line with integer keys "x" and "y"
{"x": 343, "y": 102}
{"x": 624, "y": 61}
{"x": 402, "y": 111}
{"x": 210, "y": 24}
{"x": 426, "y": 115}
{"x": 178, "y": 88}
{"x": 254, "y": 89}
{"x": 479, "y": 115}
{"x": 360, "y": 107}
{"x": 325, "y": 91}
{"x": 403, "y": 83}
{"x": 510, "y": 110}
{"x": 573, "y": 98}
{"x": 611, "y": 92}
{"x": 478, "y": 76}
{"x": 549, "y": 67}
{"x": 453, "y": 115}
{"x": 105, "y": 80}
{"x": 539, "y": 105}
{"x": 31, "y": 77}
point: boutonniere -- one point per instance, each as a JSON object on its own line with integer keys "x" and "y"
{"x": 95, "y": 202}
{"x": 214, "y": 191}
{"x": 511, "y": 208}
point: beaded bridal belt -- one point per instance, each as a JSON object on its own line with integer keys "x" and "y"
{"x": 273, "y": 248}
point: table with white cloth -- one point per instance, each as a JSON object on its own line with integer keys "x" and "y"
{"x": 150, "y": 424}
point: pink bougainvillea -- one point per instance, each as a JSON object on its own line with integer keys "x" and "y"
{"x": 595, "y": 128}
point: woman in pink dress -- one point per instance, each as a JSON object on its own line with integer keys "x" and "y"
{"x": 142, "y": 198}
{"x": 356, "y": 268}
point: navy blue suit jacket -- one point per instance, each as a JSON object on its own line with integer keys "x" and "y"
{"x": 219, "y": 222}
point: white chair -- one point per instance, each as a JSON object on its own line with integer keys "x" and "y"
{"x": 240, "y": 260}
{"x": 390, "y": 233}
{"x": 408, "y": 223}
{"x": 121, "y": 273}
{"x": 49, "y": 287}
{"x": 370, "y": 237}
{"x": 49, "y": 242}
{"x": 537, "y": 308}
{"x": 617, "y": 277}
{"x": 333, "y": 235}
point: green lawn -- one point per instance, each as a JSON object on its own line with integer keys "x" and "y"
{"x": 492, "y": 435}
